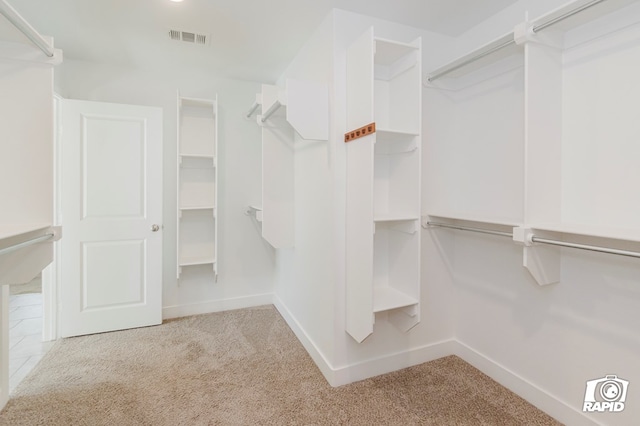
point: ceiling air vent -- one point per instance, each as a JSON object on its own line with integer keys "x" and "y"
{"x": 189, "y": 37}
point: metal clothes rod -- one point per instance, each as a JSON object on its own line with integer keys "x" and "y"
{"x": 470, "y": 60}
{"x": 562, "y": 17}
{"x": 27, "y": 243}
{"x": 21, "y": 24}
{"x": 535, "y": 29}
{"x": 466, "y": 228}
{"x": 585, "y": 247}
{"x": 273, "y": 108}
{"x": 253, "y": 109}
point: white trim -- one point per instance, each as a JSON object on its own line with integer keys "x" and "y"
{"x": 368, "y": 368}
{"x": 177, "y": 311}
{"x": 51, "y": 274}
{"x": 393, "y": 362}
{"x": 4, "y": 345}
{"x": 312, "y": 349}
{"x": 522, "y": 387}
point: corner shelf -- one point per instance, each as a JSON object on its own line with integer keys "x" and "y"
{"x": 197, "y": 223}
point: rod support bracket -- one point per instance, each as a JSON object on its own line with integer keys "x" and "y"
{"x": 523, "y": 236}
{"x": 523, "y": 33}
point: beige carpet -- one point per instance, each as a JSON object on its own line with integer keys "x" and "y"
{"x": 243, "y": 367}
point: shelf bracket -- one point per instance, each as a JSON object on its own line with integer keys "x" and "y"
{"x": 542, "y": 262}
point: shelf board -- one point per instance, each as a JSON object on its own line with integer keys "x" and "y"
{"x": 193, "y": 155}
{"x": 392, "y": 133}
{"x": 478, "y": 58}
{"x": 195, "y": 261}
{"x": 205, "y": 207}
{"x": 197, "y": 102}
{"x": 477, "y": 219}
{"x": 389, "y": 51}
{"x": 386, "y": 298}
{"x": 394, "y": 217}
{"x": 15, "y": 230}
{"x": 585, "y": 16}
{"x": 624, "y": 234}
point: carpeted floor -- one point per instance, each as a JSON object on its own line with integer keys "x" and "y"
{"x": 243, "y": 367}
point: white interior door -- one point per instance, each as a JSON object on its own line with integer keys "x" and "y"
{"x": 111, "y": 213}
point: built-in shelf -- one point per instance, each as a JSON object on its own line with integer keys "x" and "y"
{"x": 195, "y": 261}
{"x": 189, "y": 155}
{"x": 387, "y": 298}
{"x": 394, "y": 218}
{"x": 197, "y": 223}
{"x": 473, "y": 218}
{"x": 8, "y": 231}
{"x": 493, "y": 51}
{"x": 188, "y": 208}
{"x": 624, "y": 234}
{"x": 383, "y": 184}
{"x": 389, "y": 52}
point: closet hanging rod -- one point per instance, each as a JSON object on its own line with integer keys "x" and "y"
{"x": 27, "y": 243}
{"x": 467, "y": 228}
{"x": 566, "y": 15}
{"x": 25, "y": 28}
{"x": 539, "y": 240}
{"x": 585, "y": 247}
{"x": 472, "y": 59}
{"x": 273, "y": 108}
{"x": 536, "y": 28}
{"x": 253, "y": 109}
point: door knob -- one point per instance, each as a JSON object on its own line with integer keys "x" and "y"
{"x": 155, "y": 228}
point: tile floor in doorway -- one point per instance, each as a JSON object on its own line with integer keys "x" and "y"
{"x": 25, "y": 336}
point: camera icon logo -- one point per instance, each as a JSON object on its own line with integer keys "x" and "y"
{"x": 608, "y": 393}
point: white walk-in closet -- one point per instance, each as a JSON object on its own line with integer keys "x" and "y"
{"x": 403, "y": 181}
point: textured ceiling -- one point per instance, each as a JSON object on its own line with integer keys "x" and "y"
{"x": 250, "y": 39}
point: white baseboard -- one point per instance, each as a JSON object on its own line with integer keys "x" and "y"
{"x": 316, "y": 355}
{"x": 373, "y": 367}
{"x": 385, "y": 364}
{"x": 211, "y": 306}
{"x": 392, "y": 362}
{"x": 522, "y": 387}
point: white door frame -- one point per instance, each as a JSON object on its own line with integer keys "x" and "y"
{"x": 51, "y": 274}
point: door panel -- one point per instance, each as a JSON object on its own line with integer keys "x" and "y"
{"x": 111, "y": 276}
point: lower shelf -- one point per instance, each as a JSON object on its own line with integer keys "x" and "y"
{"x": 386, "y": 298}
{"x": 193, "y": 261}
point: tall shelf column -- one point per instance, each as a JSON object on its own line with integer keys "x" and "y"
{"x": 383, "y": 183}
{"x": 197, "y": 227}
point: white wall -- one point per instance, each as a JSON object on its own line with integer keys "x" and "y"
{"x": 26, "y": 132}
{"x": 546, "y": 342}
{"x": 246, "y": 262}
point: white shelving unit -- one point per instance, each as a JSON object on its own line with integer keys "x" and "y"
{"x": 197, "y": 228}
{"x": 383, "y": 184}
{"x": 300, "y": 109}
{"x": 574, "y": 171}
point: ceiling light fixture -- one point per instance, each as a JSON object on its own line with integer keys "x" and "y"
{"x": 176, "y": 1}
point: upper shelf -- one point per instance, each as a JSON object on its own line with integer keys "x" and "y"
{"x": 388, "y": 52}
{"x": 623, "y": 234}
{"x": 493, "y": 51}
{"x": 307, "y": 107}
{"x": 564, "y": 18}
{"x": 197, "y": 102}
